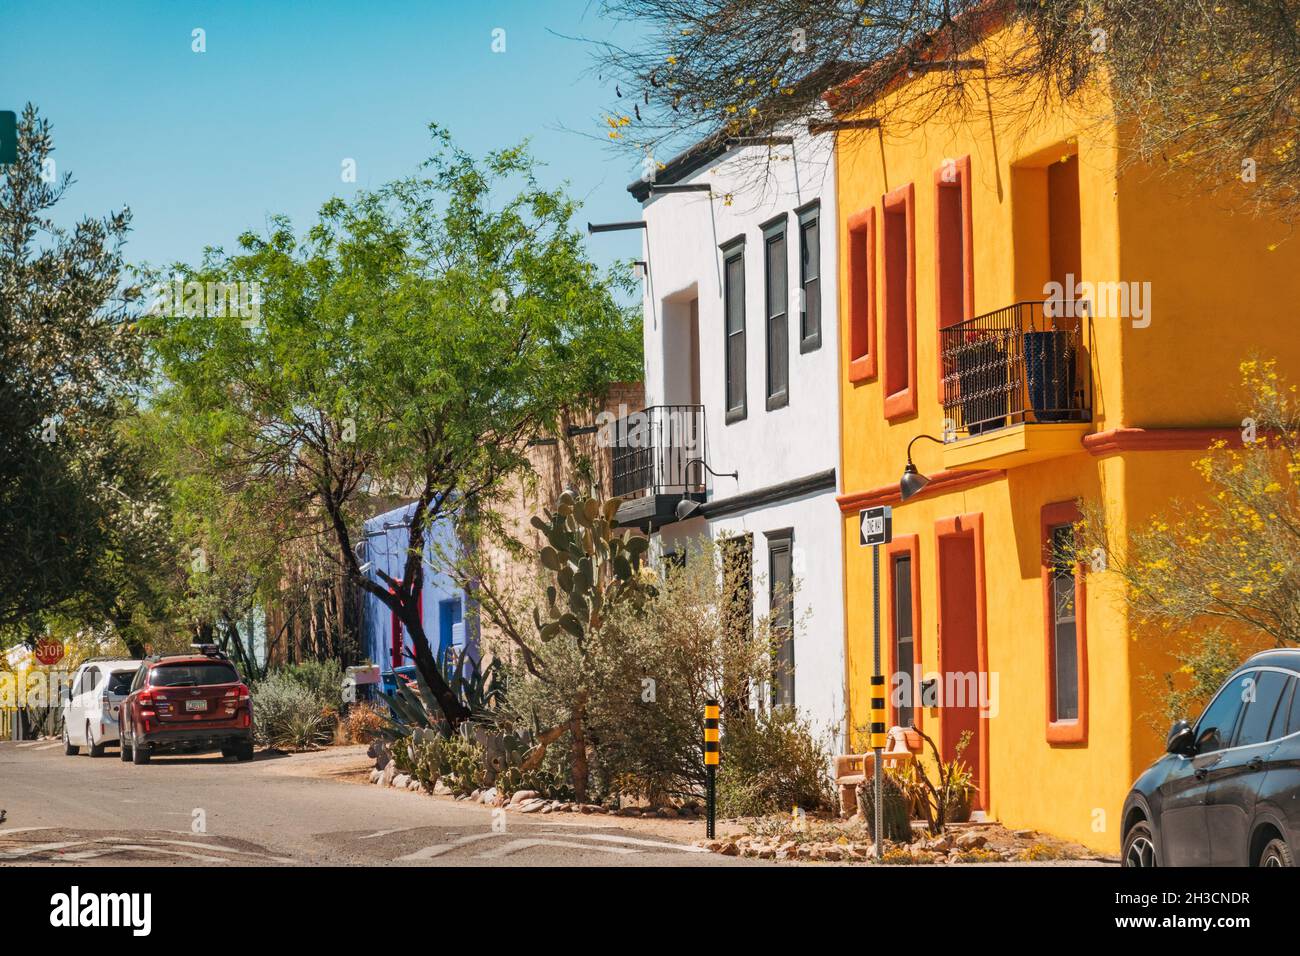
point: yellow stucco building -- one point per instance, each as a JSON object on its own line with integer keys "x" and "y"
{"x": 953, "y": 233}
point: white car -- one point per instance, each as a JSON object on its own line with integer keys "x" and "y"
{"x": 90, "y": 709}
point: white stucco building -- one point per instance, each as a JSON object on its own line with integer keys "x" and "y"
{"x": 740, "y": 325}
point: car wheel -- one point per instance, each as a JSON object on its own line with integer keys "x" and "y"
{"x": 96, "y": 750}
{"x": 244, "y": 752}
{"x": 1139, "y": 846}
{"x": 68, "y": 749}
{"x": 124, "y": 750}
{"x": 1277, "y": 853}
{"x": 139, "y": 753}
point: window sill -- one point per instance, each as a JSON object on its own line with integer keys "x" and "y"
{"x": 1067, "y": 732}
{"x": 862, "y": 369}
{"x": 735, "y": 415}
{"x": 901, "y": 404}
{"x": 779, "y": 400}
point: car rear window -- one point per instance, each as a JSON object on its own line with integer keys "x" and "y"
{"x": 192, "y": 675}
{"x": 119, "y": 682}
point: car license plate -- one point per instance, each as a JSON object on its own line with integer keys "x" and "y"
{"x": 196, "y": 705}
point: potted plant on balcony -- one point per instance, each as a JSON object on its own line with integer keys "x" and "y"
{"x": 1050, "y": 374}
{"x": 981, "y": 364}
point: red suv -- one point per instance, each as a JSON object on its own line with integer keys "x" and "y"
{"x": 190, "y": 703}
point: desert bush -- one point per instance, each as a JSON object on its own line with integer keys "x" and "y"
{"x": 287, "y": 714}
{"x": 363, "y": 723}
{"x": 644, "y": 676}
{"x": 322, "y": 679}
{"x": 772, "y": 761}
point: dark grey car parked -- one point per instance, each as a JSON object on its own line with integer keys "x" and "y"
{"x": 1227, "y": 791}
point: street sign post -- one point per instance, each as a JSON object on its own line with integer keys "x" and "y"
{"x": 49, "y": 652}
{"x": 711, "y": 754}
{"x": 876, "y": 527}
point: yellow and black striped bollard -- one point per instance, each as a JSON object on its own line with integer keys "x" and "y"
{"x": 711, "y": 755}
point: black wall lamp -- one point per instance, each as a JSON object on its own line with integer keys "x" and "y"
{"x": 913, "y": 481}
{"x": 687, "y": 507}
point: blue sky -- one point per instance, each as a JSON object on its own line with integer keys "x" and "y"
{"x": 202, "y": 146}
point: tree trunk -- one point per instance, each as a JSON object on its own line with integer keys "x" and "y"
{"x": 578, "y": 756}
{"x": 455, "y": 712}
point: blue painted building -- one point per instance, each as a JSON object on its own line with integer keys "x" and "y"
{"x": 442, "y": 603}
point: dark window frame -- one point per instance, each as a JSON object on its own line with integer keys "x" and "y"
{"x": 780, "y": 541}
{"x": 732, "y": 250}
{"x": 902, "y": 571}
{"x": 810, "y": 320}
{"x": 776, "y": 231}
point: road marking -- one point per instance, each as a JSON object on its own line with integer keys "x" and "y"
{"x": 683, "y": 847}
{"x": 140, "y": 847}
{"x": 516, "y": 845}
{"x": 438, "y": 849}
{"x": 49, "y": 746}
{"x": 201, "y": 846}
{"x": 384, "y": 833}
{"x": 28, "y": 743}
{"x": 36, "y": 848}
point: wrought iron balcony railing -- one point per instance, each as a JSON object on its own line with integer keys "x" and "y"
{"x": 1026, "y": 363}
{"x": 653, "y": 450}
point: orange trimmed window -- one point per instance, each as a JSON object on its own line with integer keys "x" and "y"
{"x": 1065, "y": 626}
{"x": 954, "y": 279}
{"x": 862, "y": 296}
{"x": 898, "y": 257}
{"x": 904, "y": 629}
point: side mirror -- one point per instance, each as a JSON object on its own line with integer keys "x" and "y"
{"x": 1180, "y": 740}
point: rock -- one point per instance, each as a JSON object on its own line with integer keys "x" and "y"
{"x": 629, "y": 812}
{"x": 971, "y": 841}
{"x": 441, "y": 789}
{"x": 401, "y": 780}
{"x": 1024, "y": 834}
{"x": 591, "y": 808}
{"x": 531, "y": 806}
{"x": 376, "y": 776}
{"x": 668, "y": 813}
{"x": 389, "y": 773}
{"x": 521, "y": 795}
{"x": 487, "y": 796}
{"x": 729, "y": 849}
{"x": 475, "y": 795}
{"x": 413, "y": 784}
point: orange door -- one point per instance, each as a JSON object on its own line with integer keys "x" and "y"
{"x": 962, "y": 683}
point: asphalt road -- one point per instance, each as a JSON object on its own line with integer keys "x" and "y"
{"x": 280, "y": 811}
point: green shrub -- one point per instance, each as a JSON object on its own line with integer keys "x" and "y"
{"x": 772, "y": 762}
{"x": 322, "y": 679}
{"x": 287, "y": 714}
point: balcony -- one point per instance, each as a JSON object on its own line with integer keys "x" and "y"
{"x": 1017, "y": 385}
{"x": 652, "y": 456}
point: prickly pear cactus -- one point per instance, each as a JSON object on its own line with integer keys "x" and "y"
{"x": 594, "y": 565}
{"x": 894, "y": 817}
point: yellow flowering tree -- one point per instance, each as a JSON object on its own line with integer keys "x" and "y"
{"x": 1222, "y": 570}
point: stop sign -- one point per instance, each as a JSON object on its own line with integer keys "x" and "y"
{"x": 49, "y": 652}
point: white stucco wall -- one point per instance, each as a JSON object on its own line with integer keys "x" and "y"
{"x": 683, "y": 237}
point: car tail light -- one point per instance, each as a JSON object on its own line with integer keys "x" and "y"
{"x": 239, "y": 694}
{"x": 146, "y": 698}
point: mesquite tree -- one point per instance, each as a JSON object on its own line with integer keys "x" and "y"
{"x": 1209, "y": 89}
{"x": 407, "y": 347}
